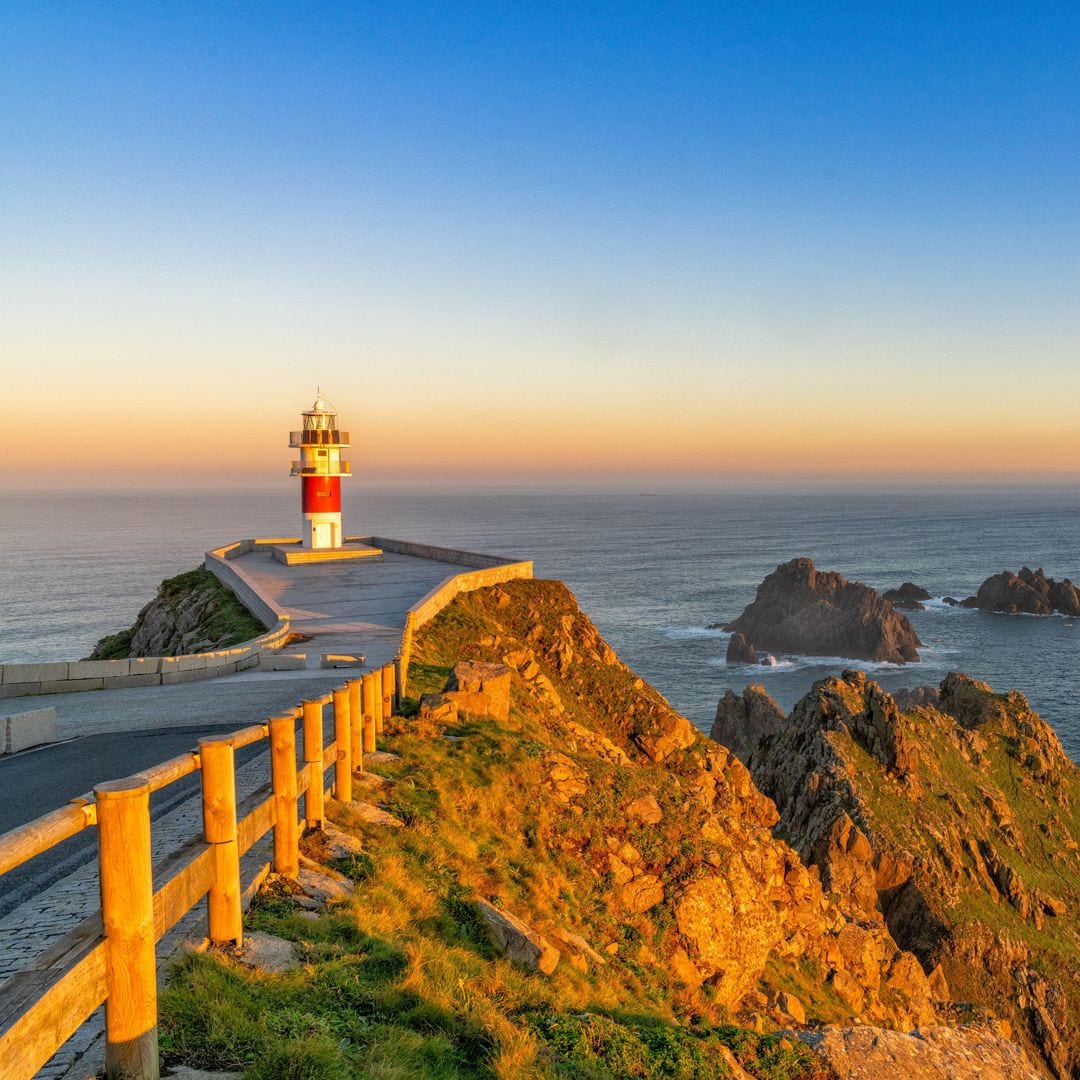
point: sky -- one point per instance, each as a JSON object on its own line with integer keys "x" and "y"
{"x": 540, "y": 241}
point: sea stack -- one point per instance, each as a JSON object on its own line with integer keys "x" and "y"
{"x": 799, "y": 609}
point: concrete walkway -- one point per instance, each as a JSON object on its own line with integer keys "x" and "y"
{"x": 350, "y": 607}
{"x": 353, "y": 606}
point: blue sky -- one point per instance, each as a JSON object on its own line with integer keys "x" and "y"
{"x": 638, "y": 217}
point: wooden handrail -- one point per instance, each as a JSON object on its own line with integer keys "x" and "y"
{"x": 42, "y": 1005}
{"x": 26, "y": 841}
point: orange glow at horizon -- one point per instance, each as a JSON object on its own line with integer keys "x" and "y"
{"x": 507, "y": 436}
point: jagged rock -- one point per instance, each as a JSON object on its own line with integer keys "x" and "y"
{"x": 265, "y": 952}
{"x": 997, "y": 774}
{"x": 481, "y": 689}
{"x": 972, "y": 1052}
{"x": 799, "y": 609}
{"x": 577, "y": 944}
{"x": 438, "y": 709}
{"x": 740, "y": 651}
{"x": 179, "y": 620}
{"x": 791, "y": 1006}
{"x": 646, "y": 810}
{"x": 1029, "y": 592}
{"x": 916, "y": 697}
{"x": 322, "y": 884}
{"x": 909, "y": 597}
{"x": 370, "y": 814}
{"x": 742, "y": 721}
{"x": 340, "y": 844}
{"x": 519, "y": 942}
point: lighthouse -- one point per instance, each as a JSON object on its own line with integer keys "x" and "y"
{"x": 320, "y": 469}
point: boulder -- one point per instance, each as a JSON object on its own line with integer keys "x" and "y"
{"x": 518, "y": 941}
{"x": 1030, "y": 592}
{"x": 481, "y": 689}
{"x": 909, "y": 596}
{"x": 742, "y": 721}
{"x": 740, "y": 651}
{"x": 801, "y": 610}
{"x": 971, "y": 1052}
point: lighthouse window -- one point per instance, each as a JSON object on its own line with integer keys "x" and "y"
{"x": 321, "y": 453}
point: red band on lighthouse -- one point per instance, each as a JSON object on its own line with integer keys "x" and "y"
{"x": 321, "y": 494}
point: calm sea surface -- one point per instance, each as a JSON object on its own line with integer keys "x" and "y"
{"x": 652, "y": 571}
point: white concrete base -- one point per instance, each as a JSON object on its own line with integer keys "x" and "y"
{"x": 20, "y": 731}
{"x": 283, "y": 662}
{"x": 293, "y": 556}
{"x": 341, "y": 660}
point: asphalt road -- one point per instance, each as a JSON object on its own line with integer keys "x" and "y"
{"x": 36, "y": 781}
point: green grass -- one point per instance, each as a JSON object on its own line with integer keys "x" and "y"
{"x": 227, "y": 621}
{"x": 403, "y": 980}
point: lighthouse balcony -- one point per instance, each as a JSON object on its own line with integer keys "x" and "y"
{"x": 317, "y": 437}
{"x": 321, "y": 468}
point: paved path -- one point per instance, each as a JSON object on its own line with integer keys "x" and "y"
{"x": 350, "y": 607}
{"x": 357, "y": 605}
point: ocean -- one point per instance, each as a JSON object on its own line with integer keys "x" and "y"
{"x": 653, "y": 570}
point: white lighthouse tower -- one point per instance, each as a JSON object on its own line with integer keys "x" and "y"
{"x": 320, "y": 469}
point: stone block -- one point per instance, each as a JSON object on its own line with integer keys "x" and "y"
{"x": 145, "y": 665}
{"x": 10, "y": 690}
{"x": 191, "y": 662}
{"x": 171, "y": 678}
{"x": 18, "y": 731}
{"x": 97, "y": 669}
{"x": 119, "y": 682}
{"x": 481, "y": 689}
{"x": 283, "y": 662}
{"x": 71, "y": 686}
{"x": 31, "y": 673}
{"x": 247, "y": 662}
{"x": 341, "y": 660}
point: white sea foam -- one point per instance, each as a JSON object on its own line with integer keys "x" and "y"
{"x": 693, "y": 633}
{"x": 802, "y": 663}
{"x": 937, "y": 604}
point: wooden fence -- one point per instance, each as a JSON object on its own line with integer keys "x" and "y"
{"x": 109, "y": 957}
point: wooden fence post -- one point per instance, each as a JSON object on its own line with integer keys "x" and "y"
{"x": 343, "y": 742}
{"x": 127, "y": 915}
{"x": 218, "y": 767}
{"x": 399, "y": 679}
{"x": 283, "y": 781}
{"x": 376, "y": 676}
{"x": 356, "y": 725}
{"x": 389, "y": 693}
{"x": 314, "y": 810}
{"x": 368, "y": 720}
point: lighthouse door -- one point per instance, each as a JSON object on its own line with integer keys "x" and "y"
{"x": 322, "y": 534}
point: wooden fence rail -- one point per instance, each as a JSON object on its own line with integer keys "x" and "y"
{"x": 109, "y": 957}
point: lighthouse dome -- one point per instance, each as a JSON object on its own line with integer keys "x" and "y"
{"x": 323, "y": 406}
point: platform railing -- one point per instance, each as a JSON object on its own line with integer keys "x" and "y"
{"x": 109, "y": 957}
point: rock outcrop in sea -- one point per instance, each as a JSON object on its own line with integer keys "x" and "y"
{"x": 1030, "y": 592}
{"x": 908, "y": 597}
{"x": 955, "y": 826}
{"x": 799, "y": 609}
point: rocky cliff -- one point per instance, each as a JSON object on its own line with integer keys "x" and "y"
{"x": 192, "y": 612}
{"x": 1029, "y": 592}
{"x": 799, "y": 609}
{"x": 955, "y": 826}
{"x": 563, "y": 878}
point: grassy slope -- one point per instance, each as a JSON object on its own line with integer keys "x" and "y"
{"x": 227, "y": 618}
{"x": 403, "y": 982}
